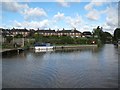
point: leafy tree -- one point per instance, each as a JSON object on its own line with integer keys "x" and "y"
{"x": 19, "y": 36}
{"x": 38, "y": 37}
{"x": 9, "y": 39}
{"x": 117, "y": 34}
{"x": 100, "y": 34}
{"x": 98, "y": 31}
{"x": 107, "y": 34}
{"x": 66, "y": 40}
{"x": 81, "y": 40}
{"x": 31, "y": 34}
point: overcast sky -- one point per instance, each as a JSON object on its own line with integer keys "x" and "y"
{"x": 84, "y": 16}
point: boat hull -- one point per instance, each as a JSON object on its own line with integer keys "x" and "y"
{"x": 43, "y": 48}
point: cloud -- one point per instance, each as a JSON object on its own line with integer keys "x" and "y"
{"x": 17, "y": 24}
{"x": 33, "y": 24}
{"x": 63, "y": 3}
{"x": 13, "y": 6}
{"x": 74, "y": 22}
{"x": 119, "y": 14}
{"x": 93, "y": 15}
{"x": 66, "y": 3}
{"x": 111, "y": 13}
{"x": 59, "y": 16}
{"x": 112, "y": 16}
{"x": 24, "y": 9}
{"x": 75, "y": 0}
{"x": 91, "y": 5}
{"x": 111, "y": 19}
{"x": 32, "y": 13}
{"x": 108, "y": 28}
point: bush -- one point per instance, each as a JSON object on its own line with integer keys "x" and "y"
{"x": 7, "y": 45}
{"x": 81, "y": 40}
{"x": 9, "y": 39}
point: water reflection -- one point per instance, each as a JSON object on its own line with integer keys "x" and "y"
{"x": 80, "y": 49}
{"x": 44, "y": 50}
{"x": 83, "y": 68}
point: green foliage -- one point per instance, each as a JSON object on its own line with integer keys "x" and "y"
{"x": 18, "y": 36}
{"x": 66, "y": 40}
{"x": 81, "y": 40}
{"x": 108, "y": 37}
{"x": 38, "y": 37}
{"x": 31, "y": 34}
{"x": 117, "y": 34}
{"x": 9, "y": 39}
{"x": 107, "y": 34}
{"x": 98, "y": 32}
{"x": 63, "y": 39}
{"x": 102, "y": 36}
{"x": 7, "y": 45}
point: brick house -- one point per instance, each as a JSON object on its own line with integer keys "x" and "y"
{"x": 24, "y": 32}
{"x": 46, "y": 32}
{"x": 72, "y": 33}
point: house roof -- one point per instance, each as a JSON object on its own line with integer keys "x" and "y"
{"x": 41, "y": 31}
{"x": 68, "y": 31}
{"x": 87, "y": 33}
{"x": 46, "y": 31}
{"x": 19, "y": 30}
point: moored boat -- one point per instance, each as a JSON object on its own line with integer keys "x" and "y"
{"x": 43, "y": 46}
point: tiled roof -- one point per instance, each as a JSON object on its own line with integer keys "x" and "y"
{"x": 41, "y": 31}
{"x": 87, "y": 33}
{"x": 19, "y": 30}
{"x": 68, "y": 31}
{"x": 46, "y": 31}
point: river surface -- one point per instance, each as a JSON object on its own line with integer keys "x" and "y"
{"x": 86, "y": 68}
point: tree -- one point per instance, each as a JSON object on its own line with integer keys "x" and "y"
{"x": 97, "y": 32}
{"x": 100, "y": 34}
{"x": 117, "y": 34}
{"x": 66, "y": 40}
{"x": 107, "y": 37}
{"x": 31, "y": 33}
{"x": 38, "y": 37}
{"x": 9, "y": 39}
{"x": 19, "y": 36}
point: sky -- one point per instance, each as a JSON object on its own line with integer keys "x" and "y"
{"x": 59, "y": 14}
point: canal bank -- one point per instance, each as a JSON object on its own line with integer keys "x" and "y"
{"x": 75, "y": 46}
{"x": 56, "y": 47}
{"x": 60, "y": 47}
{"x": 11, "y": 51}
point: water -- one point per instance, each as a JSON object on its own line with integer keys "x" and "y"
{"x": 87, "y": 68}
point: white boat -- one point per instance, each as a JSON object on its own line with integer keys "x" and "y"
{"x": 43, "y": 47}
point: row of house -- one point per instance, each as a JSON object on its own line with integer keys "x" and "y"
{"x": 49, "y": 32}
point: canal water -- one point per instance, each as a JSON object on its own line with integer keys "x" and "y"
{"x": 85, "y": 68}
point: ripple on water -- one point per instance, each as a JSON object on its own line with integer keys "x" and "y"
{"x": 69, "y": 69}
